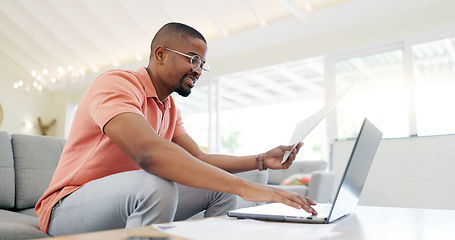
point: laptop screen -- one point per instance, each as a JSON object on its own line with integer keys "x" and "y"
{"x": 356, "y": 171}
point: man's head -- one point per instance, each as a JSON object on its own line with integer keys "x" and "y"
{"x": 177, "y": 59}
{"x": 175, "y": 31}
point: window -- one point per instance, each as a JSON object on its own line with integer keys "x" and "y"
{"x": 434, "y": 74}
{"x": 71, "y": 112}
{"x": 259, "y": 108}
{"x": 376, "y": 90}
{"x": 195, "y": 114}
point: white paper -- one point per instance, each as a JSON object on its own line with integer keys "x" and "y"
{"x": 303, "y": 128}
{"x": 221, "y": 228}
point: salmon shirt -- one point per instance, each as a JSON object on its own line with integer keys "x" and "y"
{"x": 88, "y": 153}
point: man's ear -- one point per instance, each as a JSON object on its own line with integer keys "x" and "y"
{"x": 158, "y": 54}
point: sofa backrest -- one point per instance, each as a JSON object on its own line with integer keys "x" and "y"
{"x": 7, "y": 188}
{"x": 276, "y": 176}
{"x": 35, "y": 160}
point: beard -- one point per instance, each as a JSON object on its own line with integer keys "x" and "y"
{"x": 182, "y": 91}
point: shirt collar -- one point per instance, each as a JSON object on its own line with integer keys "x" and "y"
{"x": 150, "y": 91}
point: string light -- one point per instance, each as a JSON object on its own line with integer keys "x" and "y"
{"x": 48, "y": 80}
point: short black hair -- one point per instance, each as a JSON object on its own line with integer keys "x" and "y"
{"x": 175, "y": 30}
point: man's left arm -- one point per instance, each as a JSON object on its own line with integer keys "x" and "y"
{"x": 234, "y": 164}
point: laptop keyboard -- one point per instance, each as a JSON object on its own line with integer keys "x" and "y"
{"x": 323, "y": 209}
{"x": 282, "y": 209}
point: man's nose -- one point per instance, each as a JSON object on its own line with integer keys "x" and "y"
{"x": 198, "y": 71}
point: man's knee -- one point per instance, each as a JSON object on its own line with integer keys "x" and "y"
{"x": 221, "y": 203}
{"x": 166, "y": 191}
{"x": 231, "y": 200}
{"x": 158, "y": 188}
{"x": 155, "y": 201}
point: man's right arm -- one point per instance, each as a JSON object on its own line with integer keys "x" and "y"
{"x": 158, "y": 156}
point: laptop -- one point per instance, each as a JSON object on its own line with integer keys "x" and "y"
{"x": 347, "y": 195}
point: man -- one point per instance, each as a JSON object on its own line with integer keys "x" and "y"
{"x": 128, "y": 161}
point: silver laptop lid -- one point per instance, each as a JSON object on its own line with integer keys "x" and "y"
{"x": 356, "y": 171}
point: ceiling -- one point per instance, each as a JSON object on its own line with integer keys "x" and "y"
{"x": 46, "y": 37}
{"x": 52, "y": 38}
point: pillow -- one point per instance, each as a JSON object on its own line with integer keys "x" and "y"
{"x": 297, "y": 179}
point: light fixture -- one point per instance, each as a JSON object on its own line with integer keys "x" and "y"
{"x": 60, "y": 70}
{"x": 54, "y": 77}
{"x": 48, "y": 79}
{"x": 28, "y": 124}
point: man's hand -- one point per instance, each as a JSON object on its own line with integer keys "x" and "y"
{"x": 272, "y": 158}
{"x": 263, "y": 193}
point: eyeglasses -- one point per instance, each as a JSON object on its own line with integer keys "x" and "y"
{"x": 196, "y": 62}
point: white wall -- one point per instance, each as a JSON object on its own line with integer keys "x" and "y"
{"x": 60, "y": 108}
{"x": 19, "y": 107}
{"x": 406, "y": 172}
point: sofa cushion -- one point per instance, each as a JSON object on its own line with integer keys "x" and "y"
{"x": 276, "y": 176}
{"x": 36, "y": 158}
{"x": 297, "y": 179}
{"x": 19, "y": 226}
{"x": 299, "y": 189}
{"x": 254, "y": 176}
{"x": 6, "y": 172}
{"x": 28, "y": 211}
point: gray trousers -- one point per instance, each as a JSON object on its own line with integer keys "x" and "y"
{"x": 133, "y": 199}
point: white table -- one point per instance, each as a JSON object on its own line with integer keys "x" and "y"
{"x": 365, "y": 223}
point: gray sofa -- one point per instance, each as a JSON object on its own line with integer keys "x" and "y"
{"x": 27, "y": 163}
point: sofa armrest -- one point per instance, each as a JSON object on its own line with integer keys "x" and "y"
{"x": 320, "y": 186}
{"x": 253, "y": 176}
{"x": 299, "y": 189}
